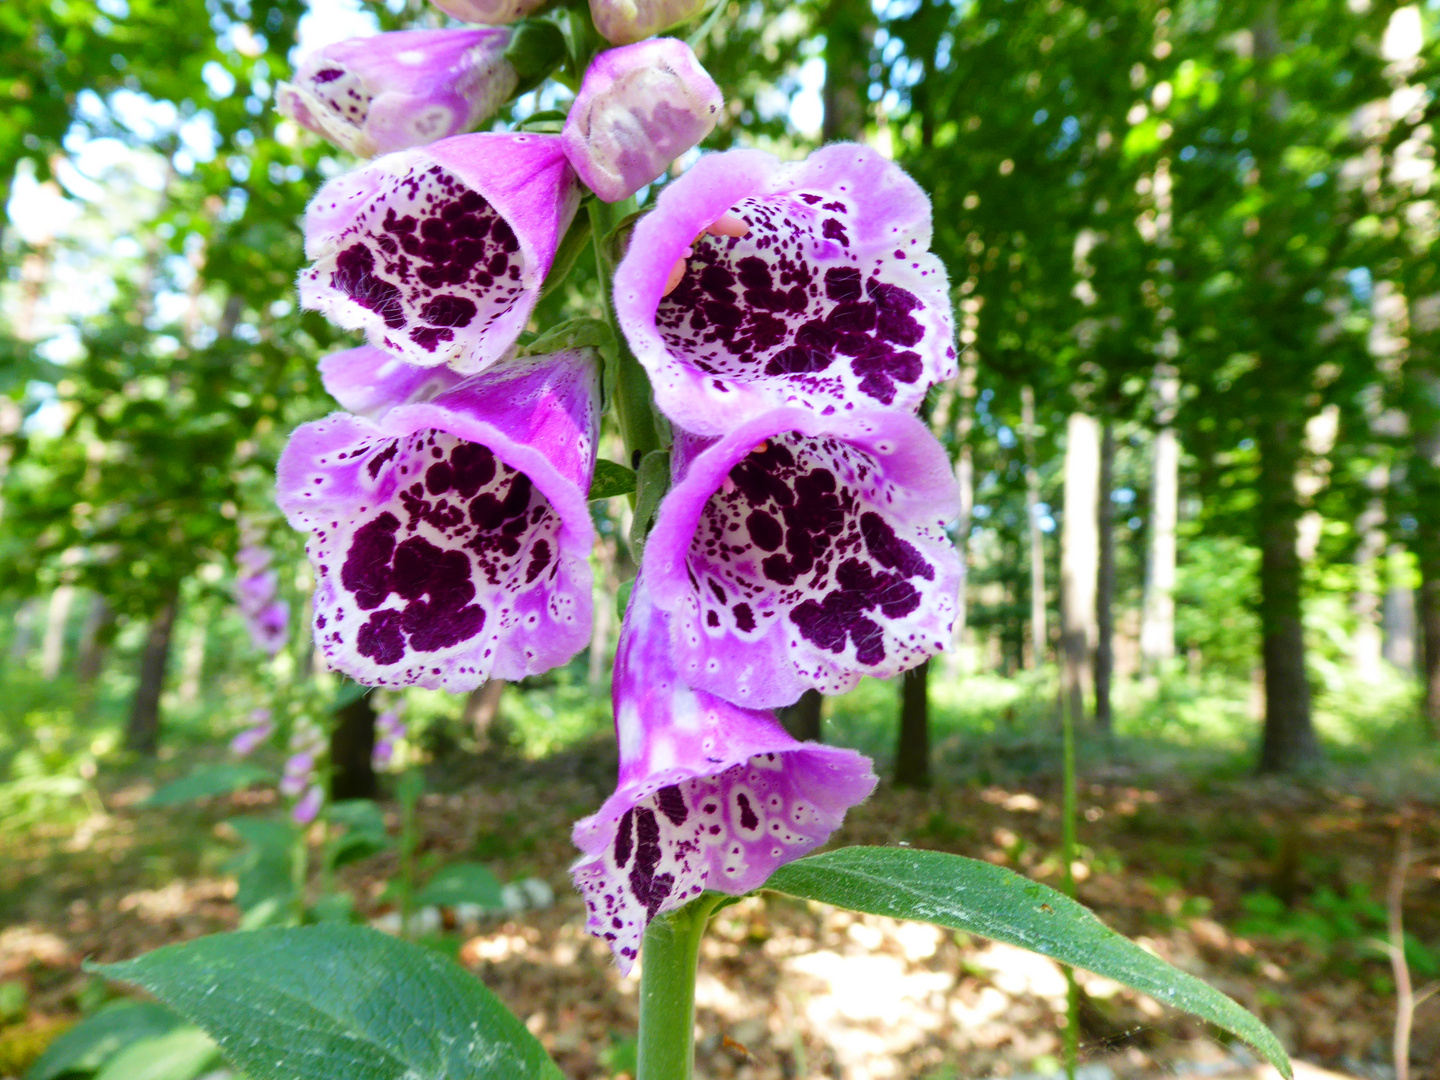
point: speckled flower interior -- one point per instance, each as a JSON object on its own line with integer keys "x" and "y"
{"x": 798, "y": 557}
{"x": 438, "y": 259}
{"x": 831, "y": 301}
{"x": 449, "y": 546}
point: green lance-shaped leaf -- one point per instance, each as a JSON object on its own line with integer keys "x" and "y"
{"x": 966, "y": 894}
{"x": 207, "y": 782}
{"x": 338, "y": 1002}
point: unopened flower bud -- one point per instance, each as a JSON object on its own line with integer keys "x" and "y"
{"x": 375, "y": 95}
{"x": 639, "y": 108}
{"x": 622, "y": 21}
{"x": 490, "y": 12}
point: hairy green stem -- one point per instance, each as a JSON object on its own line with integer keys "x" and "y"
{"x": 633, "y": 409}
{"x": 668, "y": 962}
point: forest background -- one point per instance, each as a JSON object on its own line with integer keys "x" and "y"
{"x": 1196, "y": 428}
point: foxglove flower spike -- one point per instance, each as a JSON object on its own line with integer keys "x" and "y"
{"x": 806, "y": 551}
{"x": 451, "y": 537}
{"x": 639, "y": 108}
{"x": 490, "y": 12}
{"x": 820, "y": 291}
{"x": 710, "y": 795}
{"x": 375, "y": 95}
{"x": 439, "y": 253}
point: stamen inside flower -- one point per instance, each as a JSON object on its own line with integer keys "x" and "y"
{"x": 727, "y": 224}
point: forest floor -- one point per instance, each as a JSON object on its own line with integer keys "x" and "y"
{"x": 1272, "y": 891}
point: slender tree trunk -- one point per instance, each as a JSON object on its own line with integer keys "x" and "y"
{"x": 23, "y": 635}
{"x": 142, "y": 732}
{"x": 1037, "y": 536}
{"x": 57, "y": 620}
{"x": 912, "y": 748}
{"x": 849, "y": 30}
{"x": 1429, "y": 612}
{"x": 1289, "y": 737}
{"x": 1399, "y": 624}
{"x": 1368, "y": 644}
{"x": 352, "y": 743}
{"x": 192, "y": 664}
{"x": 90, "y": 653}
{"x": 803, "y": 719}
{"x": 1079, "y": 558}
{"x": 482, "y": 712}
{"x": 1157, "y": 622}
{"x": 1105, "y": 583}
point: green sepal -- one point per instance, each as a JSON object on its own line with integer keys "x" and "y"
{"x": 537, "y": 48}
{"x": 575, "y": 240}
{"x": 611, "y": 479}
{"x": 652, "y": 482}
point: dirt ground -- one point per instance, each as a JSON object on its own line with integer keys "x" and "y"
{"x": 1260, "y": 888}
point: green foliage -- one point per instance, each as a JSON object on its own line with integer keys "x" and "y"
{"x": 208, "y": 782}
{"x": 88, "y": 1045}
{"x": 306, "y": 1004}
{"x": 180, "y": 1054}
{"x": 978, "y": 897}
{"x": 462, "y": 883}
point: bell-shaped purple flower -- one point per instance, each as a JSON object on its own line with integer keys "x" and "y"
{"x": 270, "y": 627}
{"x": 639, "y": 108}
{"x": 710, "y": 796}
{"x": 820, "y": 291}
{"x": 490, "y": 12}
{"x": 262, "y": 726}
{"x": 438, "y": 253}
{"x": 266, "y": 617}
{"x": 370, "y": 382}
{"x": 308, "y": 808}
{"x": 451, "y": 537}
{"x": 375, "y": 95}
{"x": 622, "y": 21}
{"x": 806, "y": 551}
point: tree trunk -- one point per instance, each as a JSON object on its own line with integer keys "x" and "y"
{"x": 1398, "y": 638}
{"x": 482, "y": 711}
{"x": 142, "y": 732}
{"x": 352, "y": 743}
{"x": 1157, "y": 623}
{"x": 1037, "y": 536}
{"x": 1289, "y": 737}
{"x": 803, "y": 719}
{"x": 1429, "y": 612}
{"x": 1079, "y": 559}
{"x": 57, "y": 620}
{"x": 1368, "y": 645}
{"x": 849, "y": 30}
{"x": 912, "y": 748}
{"x": 192, "y": 665}
{"x": 1105, "y": 583}
{"x": 94, "y": 635}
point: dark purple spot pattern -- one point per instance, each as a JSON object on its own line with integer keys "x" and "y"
{"x": 424, "y": 263}
{"x": 797, "y": 307}
{"x": 798, "y": 536}
{"x": 434, "y": 566}
{"x": 727, "y": 832}
{"x": 342, "y": 93}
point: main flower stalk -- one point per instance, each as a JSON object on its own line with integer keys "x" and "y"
{"x": 667, "y": 991}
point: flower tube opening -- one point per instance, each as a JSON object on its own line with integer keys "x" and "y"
{"x": 804, "y": 551}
